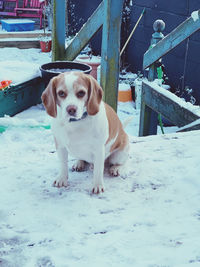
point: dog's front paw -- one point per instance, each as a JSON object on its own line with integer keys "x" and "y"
{"x": 97, "y": 189}
{"x": 79, "y": 166}
{"x": 61, "y": 181}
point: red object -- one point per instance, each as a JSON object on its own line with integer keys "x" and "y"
{"x": 9, "y": 12}
{"x": 45, "y": 46}
{"x": 31, "y": 9}
{"x": 4, "y": 84}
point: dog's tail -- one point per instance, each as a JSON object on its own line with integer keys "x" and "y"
{"x": 127, "y": 121}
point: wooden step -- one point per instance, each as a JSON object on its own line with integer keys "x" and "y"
{"x": 4, "y": 35}
{"x": 21, "y": 40}
{"x": 22, "y": 44}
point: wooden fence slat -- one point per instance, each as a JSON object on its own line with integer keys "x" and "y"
{"x": 167, "y": 104}
{"x": 170, "y": 41}
{"x": 191, "y": 126}
{"x": 86, "y": 33}
{"x": 111, "y": 50}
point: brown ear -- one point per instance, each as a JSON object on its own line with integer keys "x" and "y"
{"x": 95, "y": 94}
{"x": 49, "y": 98}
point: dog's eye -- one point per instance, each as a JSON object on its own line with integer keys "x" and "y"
{"x": 80, "y": 94}
{"x": 61, "y": 94}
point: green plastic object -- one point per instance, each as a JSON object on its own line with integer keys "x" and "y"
{"x": 3, "y": 128}
{"x": 161, "y": 123}
{"x": 17, "y": 98}
{"x": 160, "y": 77}
{"x": 160, "y": 73}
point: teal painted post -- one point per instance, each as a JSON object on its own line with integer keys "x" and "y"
{"x": 58, "y": 42}
{"x": 158, "y": 27}
{"x": 111, "y": 50}
{"x": 148, "y": 117}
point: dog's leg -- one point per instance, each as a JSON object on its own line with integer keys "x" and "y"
{"x": 79, "y": 166}
{"x": 63, "y": 157}
{"x": 98, "y": 185}
{"x": 117, "y": 161}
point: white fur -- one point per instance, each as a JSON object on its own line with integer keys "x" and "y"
{"x": 88, "y": 146}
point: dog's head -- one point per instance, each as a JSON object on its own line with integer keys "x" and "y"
{"x": 71, "y": 94}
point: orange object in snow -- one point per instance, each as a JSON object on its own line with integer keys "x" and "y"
{"x": 4, "y": 84}
{"x": 125, "y": 96}
{"x": 124, "y": 92}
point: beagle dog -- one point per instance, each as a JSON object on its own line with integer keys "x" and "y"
{"x": 84, "y": 126}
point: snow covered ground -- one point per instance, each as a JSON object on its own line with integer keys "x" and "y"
{"x": 149, "y": 219}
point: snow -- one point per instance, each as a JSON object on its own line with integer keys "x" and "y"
{"x": 17, "y": 21}
{"x": 33, "y": 55}
{"x": 194, "y": 123}
{"x": 89, "y": 59}
{"x": 20, "y": 65}
{"x": 195, "y": 15}
{"x": 14, "y": 70}
{"x": 149, "y": 219}
{"x": 187, "y": 105}
{"x": 124, "y": 87}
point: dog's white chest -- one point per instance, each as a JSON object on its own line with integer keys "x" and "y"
{"x": 80, "y": 138}
{"x": 81, "y": 144}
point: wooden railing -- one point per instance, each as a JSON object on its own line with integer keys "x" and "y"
{"x": 177, "y": 36}
{"x": 108, "y": 16}
{"x": 153, "y": 97}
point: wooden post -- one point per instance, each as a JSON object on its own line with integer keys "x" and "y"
{"x": 148, "y": 117}
{"x": 109, "y": 13}
{"x": 66, "y": 18}
{"x": 111, "y": 50}
{"x": 58, "y": 42}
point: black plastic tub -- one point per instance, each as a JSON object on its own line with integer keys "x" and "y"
{"x": 52, "y": 69}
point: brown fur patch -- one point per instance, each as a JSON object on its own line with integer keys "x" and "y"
{"x": 95, "y": 92}
{"x": 49, "y": 97}
{"x": 115, "y": 130}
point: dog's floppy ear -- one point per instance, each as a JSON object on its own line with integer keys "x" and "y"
{"x": 95, "y": 94}
{"x": 49, "y": 98}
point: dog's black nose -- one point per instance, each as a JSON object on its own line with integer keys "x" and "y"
{"x": 71, "y": 110}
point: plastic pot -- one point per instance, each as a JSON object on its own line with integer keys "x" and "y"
{"x": 45, "y": 46}
{"x": 93, "y": 63}
{"x": 53, "y": 69}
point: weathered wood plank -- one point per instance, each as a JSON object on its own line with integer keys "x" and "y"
{"x": 111, "y": 50}
{"x": 86, "y": 33}
{"x": 170, "y": 41}
{"x": 148, "y": 117}
{"x": 147, "y": 120}
{"x": 190, "y": 127}
{"x": 4, "y": 35}
{"x": 169, "y": 105}
{"x": 20, "y": 44}
{"x": 58, "y": 40}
